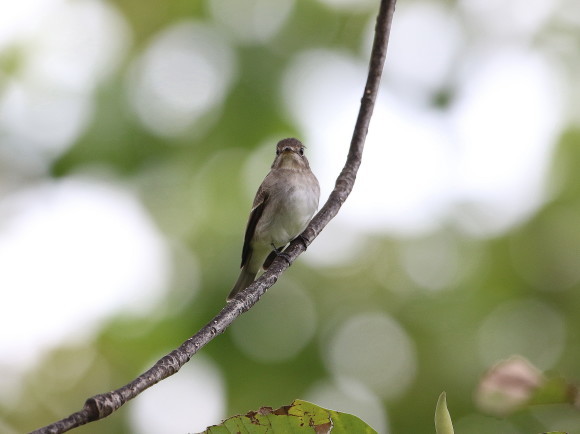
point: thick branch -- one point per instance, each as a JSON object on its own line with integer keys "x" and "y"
{"x": 100, "y": 406}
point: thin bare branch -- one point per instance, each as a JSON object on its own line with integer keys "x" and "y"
{"x": 101, "y": 406}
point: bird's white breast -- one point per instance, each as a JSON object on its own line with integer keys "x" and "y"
{"x": 291, "y": 211}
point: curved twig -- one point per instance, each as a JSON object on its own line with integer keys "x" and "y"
{"x": 101, "y": 406}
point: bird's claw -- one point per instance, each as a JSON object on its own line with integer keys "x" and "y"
{"x": 304, "y": 240}
{"x": 282, "y": 254}
{"x": 285, "y": 256}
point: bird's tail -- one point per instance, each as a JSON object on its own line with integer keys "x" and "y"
{"x": 246, "y": 278}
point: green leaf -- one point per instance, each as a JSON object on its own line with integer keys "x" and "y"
{"x": 299, "y": 417}
{"x": 443, "y": 423}
{"x": 555, "y": 390}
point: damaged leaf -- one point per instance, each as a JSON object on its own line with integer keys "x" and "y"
{"x": 299, "y": 417}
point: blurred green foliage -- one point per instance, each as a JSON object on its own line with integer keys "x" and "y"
{"x": 191, "y": 185}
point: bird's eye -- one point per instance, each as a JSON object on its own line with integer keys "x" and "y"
{"x": 277, "y": 151}
{"x": 301, "y": 151}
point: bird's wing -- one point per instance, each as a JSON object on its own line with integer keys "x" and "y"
{"x": 257, "y": 210}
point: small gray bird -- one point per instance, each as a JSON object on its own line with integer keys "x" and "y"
{"x": 284, "y": 204}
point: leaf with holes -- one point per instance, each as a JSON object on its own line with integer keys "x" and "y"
{"x": 299, "y": 417}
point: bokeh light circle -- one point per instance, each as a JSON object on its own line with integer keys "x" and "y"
{"x": 528, "y": 328}
{"x": 373, "y": 349}
{"x": 251, "y": 20}
{"x": 80, "y": 247}
{"x": 183, "y": 73}
{"x": 279, "y": 326}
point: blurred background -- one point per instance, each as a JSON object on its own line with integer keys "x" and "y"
{"x": 133, "y": 136}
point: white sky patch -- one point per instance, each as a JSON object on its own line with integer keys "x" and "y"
{"x": 62, "y": 50}
{"x": 21, "y": 18}
{"x": 403, "y": 184}
{"x": 506, "y": 120}
{"x": 72, "y": 253}
{"x": 481, "y": 163}
{"x": 406, "y": 175}
{"x": 514, "y": 18}
{"x": 75, "y": 46}
{"x": 423, "y": 46}
{"x": 321, "y": 90}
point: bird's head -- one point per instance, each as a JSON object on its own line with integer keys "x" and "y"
{"x": 290, "y": 155}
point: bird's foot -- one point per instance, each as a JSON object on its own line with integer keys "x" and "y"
{"x": 304, "y": 240}
{"x": 282, "y": 254}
